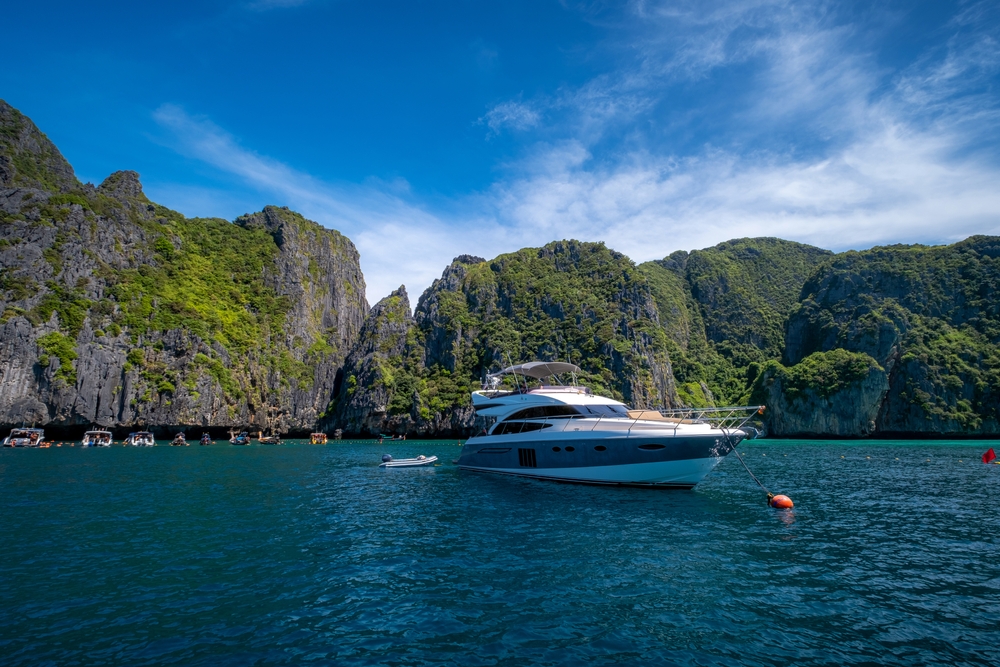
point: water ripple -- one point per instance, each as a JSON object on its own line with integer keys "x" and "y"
{"x": 300, "y": 554}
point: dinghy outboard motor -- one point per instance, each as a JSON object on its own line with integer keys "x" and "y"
{"x": 386, "y": 458}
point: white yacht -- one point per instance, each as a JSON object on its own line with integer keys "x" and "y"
{"x": 25, "y": 437}
{"x": 96, "y": 439}
{"x": 566, "y": 433}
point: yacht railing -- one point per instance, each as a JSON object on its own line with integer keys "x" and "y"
{"x": 729, "y": 418}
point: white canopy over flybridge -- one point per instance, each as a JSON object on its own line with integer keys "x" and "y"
{"x": 538, "y": 369}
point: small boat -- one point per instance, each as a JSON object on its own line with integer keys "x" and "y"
{"x": 140, "y": 439}
{"x": 179, "y": 441}
{"x": 24, "y": 437}
{"x": 96, "y": 439}
{"x": 389, "y": 462}
{"x": 317, "y": 438}
{"x": 205, "y": 439}
{"x": 268, "y": 439}
{"x": 242, "y": 439}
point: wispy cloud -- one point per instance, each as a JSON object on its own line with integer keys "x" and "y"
{"x": 823, "y": 146}
{"x": 816, "y": 142}
{"x": 513, "y": 115}
{"x": 398, "y": 240}
{"x": 894, "y": 186}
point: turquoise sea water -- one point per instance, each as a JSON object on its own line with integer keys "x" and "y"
{"x": 312, "y": 554}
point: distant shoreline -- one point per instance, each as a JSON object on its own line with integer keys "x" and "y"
{"x": 218, "y": 433}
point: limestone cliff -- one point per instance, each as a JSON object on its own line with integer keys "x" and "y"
{"x": 724, "y": 311}
{"x": 929, "y": 316}
{"x": 368, "y": 382}
{"x": 120, "y": 312}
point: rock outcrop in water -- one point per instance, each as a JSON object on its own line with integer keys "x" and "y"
{"x": 834, "y": 394}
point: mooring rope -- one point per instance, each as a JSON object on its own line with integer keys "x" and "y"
{"x": 749, "y": 472}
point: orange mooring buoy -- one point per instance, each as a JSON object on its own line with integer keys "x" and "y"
{"x": 781, "y": 502}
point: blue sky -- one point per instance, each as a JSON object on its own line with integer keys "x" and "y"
{"x": 425, "y": 130}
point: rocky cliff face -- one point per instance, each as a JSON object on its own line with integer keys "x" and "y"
{"x": 120, "y": 312}
{"x": 28, "y": 159}
{"x": 928, "y": 315}
{"x": 318, "y": 274}
{"x": 368, "y": 382}
{"x": 724, "y": 310}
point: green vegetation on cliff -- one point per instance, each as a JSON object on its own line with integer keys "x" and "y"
{"x": 928, "y": 314}
{"x": 567, "y": 300}
{"x": 724, "y": 309}
{"x": 823, "y": 373}
{"x": 194, "y": 320}
{"x": 176, "y": 320}
{"x": 835, "y": 393}
{"x": 207, "y": 280}
{"x": 62, "y": 348}
{"x": 34, "y": 160}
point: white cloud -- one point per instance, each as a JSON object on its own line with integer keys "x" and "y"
{"x": 398, "y": 241}
{"x": 892, "y": 186}
{"x": 895, "y": 157}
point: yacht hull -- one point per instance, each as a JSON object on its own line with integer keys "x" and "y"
{"x": 672, "y": 462}
{"x": 665, "y": 475}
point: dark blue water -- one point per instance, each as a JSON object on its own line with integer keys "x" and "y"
{"x": 306, "y": 554}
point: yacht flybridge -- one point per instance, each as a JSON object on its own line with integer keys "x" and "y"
{"x": 567, "y": 433}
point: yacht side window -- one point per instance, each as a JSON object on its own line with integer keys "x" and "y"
{"x": 606, "y": 410}
{"x": 545, "y": 412}
{"x": 511, "y": 428}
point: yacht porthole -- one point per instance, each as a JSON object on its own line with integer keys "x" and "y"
{"x": 600, "y": 448}
{"x": 556, "y": 449}
{"x": 569, "y": 449}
